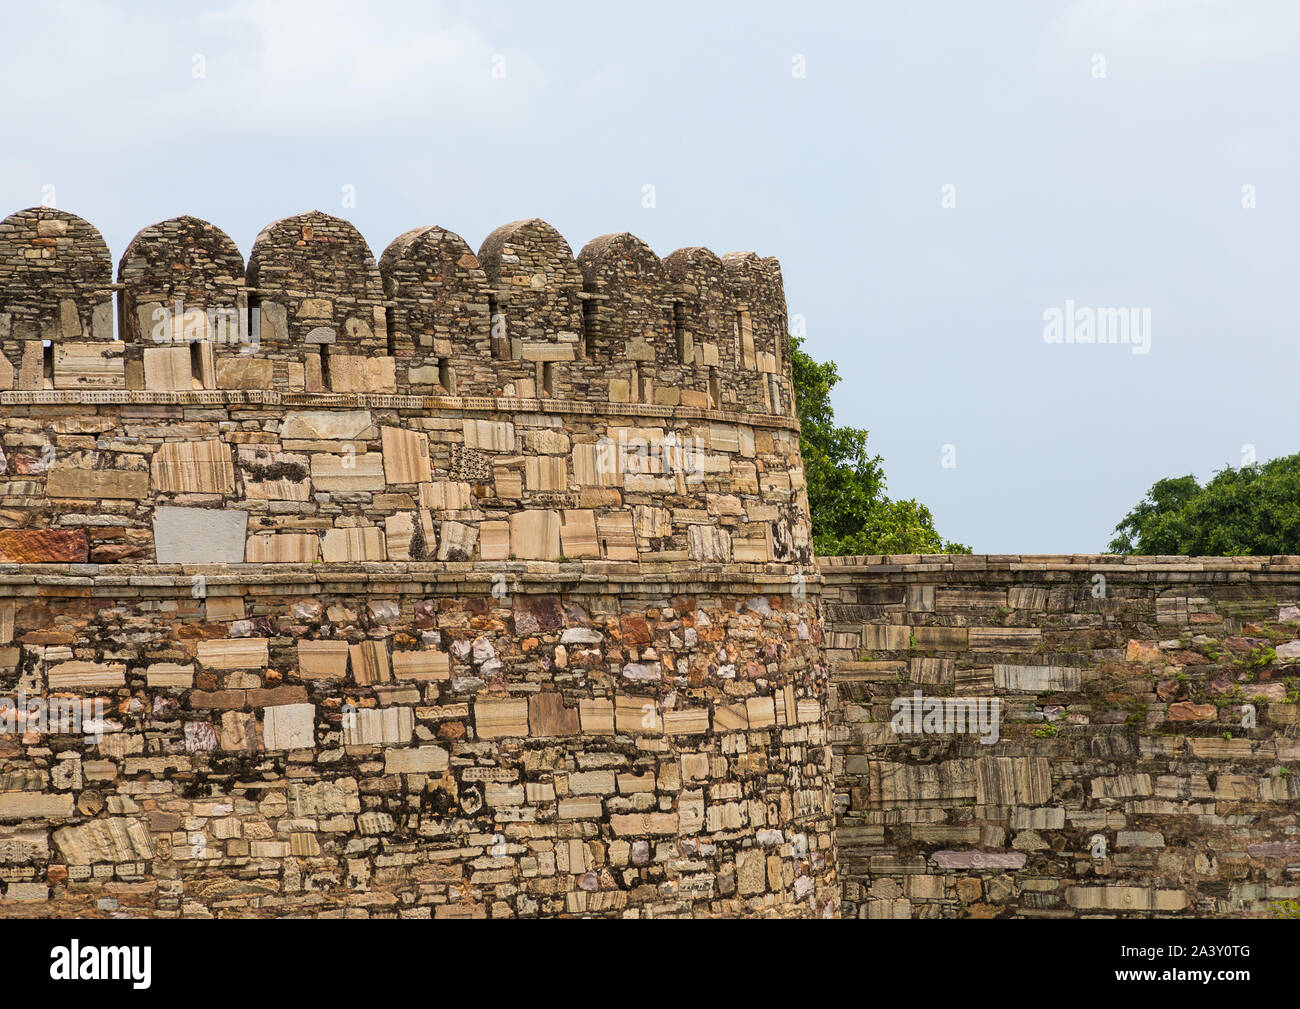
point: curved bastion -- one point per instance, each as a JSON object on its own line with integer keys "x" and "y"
{"x": 446, "y": 584}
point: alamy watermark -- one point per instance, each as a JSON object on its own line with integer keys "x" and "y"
{"x": 1074, "y": 324}
{"x": 73, "y": 716}
{"x": 947, "y": 716}
{"x": 225, "y": 324}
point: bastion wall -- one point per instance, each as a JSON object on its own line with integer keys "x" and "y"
{"x": 444, "y": 584}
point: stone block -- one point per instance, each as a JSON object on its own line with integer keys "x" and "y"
{"x": 494, "y": 719}
{"x": 361, "y": 544}
{"x": 282, "y": 548}
{"x": 193, "y": 467}
{"x": 97, "y": 484}
{"x": 167, "y": 369}
{"x": 233, "y": 653}
{"x": 43, "y": 546}
{"x": 535, "y": 535}
{"x": 323, "y": 659}
{"x": 347, "y": 473}
{"x": 325, "y": 425}
{"x": 406, "y": 455}
{"x": 289, "y": 727}
{"x": 199, "y": 535}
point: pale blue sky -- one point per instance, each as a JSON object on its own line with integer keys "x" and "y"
{"x": 1115, "y": 191}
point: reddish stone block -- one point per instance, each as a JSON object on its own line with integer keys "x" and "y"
{"x": 43, "y": 546}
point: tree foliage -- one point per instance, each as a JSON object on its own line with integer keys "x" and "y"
{"x": 1251, "y": 510}
{"x": 851, "y": 514}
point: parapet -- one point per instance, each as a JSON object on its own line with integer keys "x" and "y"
{"x": 315, "y": 313}
{"x": 435, "y": 406}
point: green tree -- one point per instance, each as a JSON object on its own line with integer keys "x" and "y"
{"x": 1251, "y": 510}
{"x": 851, "y": 513}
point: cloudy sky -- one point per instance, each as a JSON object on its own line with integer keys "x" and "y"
{"x": 936, "y": 178}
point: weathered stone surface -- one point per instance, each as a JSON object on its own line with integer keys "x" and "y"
{"x": 43, "y": 546}
{"x": 108, "y": 484}
{"x": 199, "y": 535}
{"x": 289, "y": 727}
{"x": 112, "y": 839}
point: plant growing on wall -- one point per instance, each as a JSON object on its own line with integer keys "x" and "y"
{"x": 851, "y": 513}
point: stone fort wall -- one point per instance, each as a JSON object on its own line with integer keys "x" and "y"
{"x": 1146, "y": 759}
{"x": 443, "y": 584}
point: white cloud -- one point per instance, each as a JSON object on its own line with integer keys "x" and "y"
{"x": 286, "y": 67}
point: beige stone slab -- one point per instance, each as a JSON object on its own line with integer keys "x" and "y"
{"x": 507, "y": 483}
{"x": 691, "y": 721}
{"x": 400, "y": 536}
{"x": 97, "y": 484}
{"x": 85, "y": 674}
{"x": 289, "y": 727}
{"x": 167, "y": 369}
{"x": 617, "y": 536}
{"x": 494, "y": 540}
{"x": 596, "y": 717}
{"x": 283, "y": 548}
{"x": 578, "y": 533}
{"x": 546, "y": 473}
{"x": 456, "y": 541}
{"x": 327, "y": 660}
{"x": 380, "y": 727}
{"x": 597, "y": 465}
{"x": 535, "y": 535}
{"x": 274, "y": 476}
{"x": 193, "y": 467}
{"x": 99, "y": 365}
{"x": 233, "y": 653}
{"x": 325, "y": 425}
{"x": 494, "y": 719}
{"x": 489, "y": 435}
{"x": 446, "y": 495}
{"x": 425, "y": 664}
{"x": 218, "y": 608}
{"x": 347, "y": 473}
{"x": 169, "y": 674}
{"x": 406, "y": 455}
{"x": 359, "y": 544}
{"x": 357, "y": 373}
{"x": 637, "y": 715}
{"x": 244, "y": 372}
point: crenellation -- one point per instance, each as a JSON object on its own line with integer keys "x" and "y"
{"x": 56, "y": 284}
{"x": 182, "y": 306}
{"x": 319, "y": 302}
{"x": 439, "y": 326}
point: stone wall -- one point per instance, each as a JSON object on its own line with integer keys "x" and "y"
{"x": 443, "y": 585}
{"x": 415, "y": 740}
{"x": 1145, "y": 763}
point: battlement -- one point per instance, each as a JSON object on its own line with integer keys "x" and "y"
{"x": 315, "y": 312}
{"x": 436, "y": 405}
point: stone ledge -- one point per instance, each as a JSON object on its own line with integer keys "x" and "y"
{"x": 392, "y": 401}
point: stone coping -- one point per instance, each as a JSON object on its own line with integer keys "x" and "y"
{"x": 1288, "y": 563}
{"x": 399, "y": 577}
{"x": 392, "y": 401}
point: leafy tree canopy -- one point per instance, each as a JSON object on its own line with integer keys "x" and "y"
{"x": 1251, "y": 510}
{"x": 851, "y": 513}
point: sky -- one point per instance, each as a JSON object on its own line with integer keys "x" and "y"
{"x": 940, "y": 181}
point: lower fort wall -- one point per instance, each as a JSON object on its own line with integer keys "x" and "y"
{"x": 1145, "y": 760}
{"x": 405, "y": 739}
